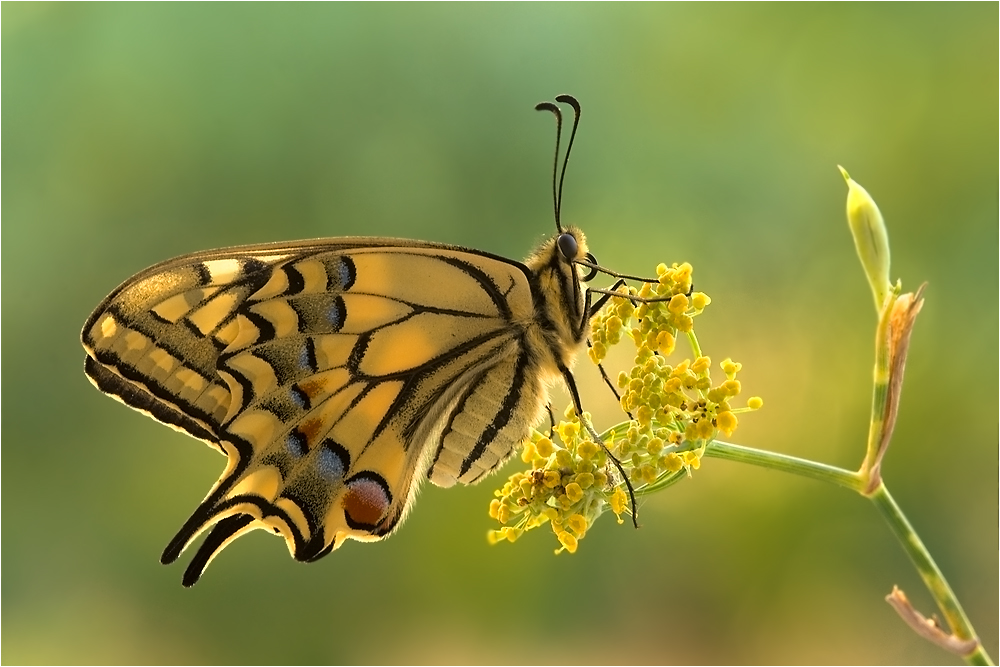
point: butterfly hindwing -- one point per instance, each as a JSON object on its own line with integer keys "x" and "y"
{"x": 332, "y": 374}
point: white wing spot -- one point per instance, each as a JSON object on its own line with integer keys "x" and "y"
{"x": 222, "y": 270}
{"x": 108, "y": 327}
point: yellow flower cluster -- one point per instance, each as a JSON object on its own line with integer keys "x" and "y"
{"x": 675, "y": 411}
{"x": 567, "y": 486}
{"x": 664, "y": 309}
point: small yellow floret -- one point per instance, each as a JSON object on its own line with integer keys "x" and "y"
{"x": 564, "y": 459}
{"x": 568, "y": 431}
{"x": 755, "y": 402}
{"x": 568, "y": 541}
{"x": 691, "y": 458}
{"x": 673, "y": 462}
{"x": 574, "y": 492}
{"x": 727, "y": 422}
{"x": 644, "y": 415}
{"x": 665, "y": 343}
{"x": 682, "y": 273}
{"x": 578, "y": 524}
{"x": 586, "y": 450}
{"x": 618, "y": 501}
{"x": 701, "y": 365}
{"x": 545, "y": 448}
{"x": 678, "y": 304}
{"x": 691, "y": 431}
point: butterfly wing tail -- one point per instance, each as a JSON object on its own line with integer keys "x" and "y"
{"x": 222, "y": 534}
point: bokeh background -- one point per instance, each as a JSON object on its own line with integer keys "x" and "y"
{"x": 711, "y": 134}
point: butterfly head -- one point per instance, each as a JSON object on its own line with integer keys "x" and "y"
{"x": 559, "y": 255}
{"x": 557, "y": 278}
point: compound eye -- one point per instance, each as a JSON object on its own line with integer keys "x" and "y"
{"x": 568, "y": 246}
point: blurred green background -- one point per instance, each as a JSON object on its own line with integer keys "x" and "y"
{"x": 135, "y": 132}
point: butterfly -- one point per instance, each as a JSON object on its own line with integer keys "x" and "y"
{"x": 336, "y": 374}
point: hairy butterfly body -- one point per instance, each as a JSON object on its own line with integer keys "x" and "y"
{"x": 336, "y": 374}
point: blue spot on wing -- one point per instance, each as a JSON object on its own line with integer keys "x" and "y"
{"x": 295, "y": 443}
{"x": 299, "y": 397}
{"x": 332, "y": 460}
{"x": 336, "y": 313}
{"x": 340, "y": 273}
{"x": 346, "y": 273}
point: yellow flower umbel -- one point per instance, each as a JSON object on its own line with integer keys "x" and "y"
{"x": 674, "y": 411}
{"x": 567, "y": 486}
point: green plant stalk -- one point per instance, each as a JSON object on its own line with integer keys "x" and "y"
{"x": 893, "y": 515}
{"x": 880, "y": 394}
{"x": 695, "y": 346}
{"x": 880, "y": 389}
{"x": 775, "y": 461}
{"x": 938, "y": 586}
{"x": 662, "y": 483}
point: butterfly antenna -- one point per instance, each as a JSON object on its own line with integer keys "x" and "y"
{"x": 549, "y": 106}
{"x": 572, "y": 101}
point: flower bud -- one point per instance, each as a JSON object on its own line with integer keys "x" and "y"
{"x": 870, "y": 238}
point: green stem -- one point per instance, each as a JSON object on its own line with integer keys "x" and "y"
{"x": 880, "y": 388}
{"x": 662, "y": 483}
{"x": 693, "y": 341}
{"x": 765, "y": 459}
{"x": 938, "y": 586}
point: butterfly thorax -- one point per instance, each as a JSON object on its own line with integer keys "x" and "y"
{"x": 559, "y": 296}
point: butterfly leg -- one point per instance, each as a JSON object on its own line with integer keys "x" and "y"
{"x": 552, "y": 419}
{"x": 575, "y": 394}
{"x": 593, "y": 309}
{"x": 607, "y": 381}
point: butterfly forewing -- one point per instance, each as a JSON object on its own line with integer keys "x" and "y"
{"x": 332, "y": 374}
